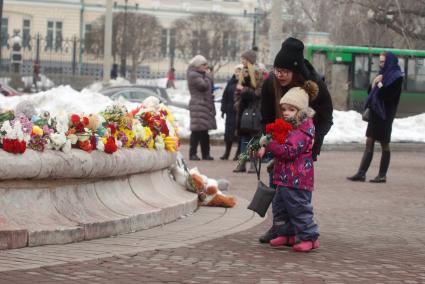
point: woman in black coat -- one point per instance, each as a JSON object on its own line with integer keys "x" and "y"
{"x": 292, "y": 70}
{"x": 382, "y": 101}
{"x": 227, "y": 108}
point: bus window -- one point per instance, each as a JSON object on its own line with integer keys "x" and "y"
{"x": 319, "y": 62}
{"x": 416, "y": 75}
{"x": 374, "y": 69}
{"x": 402, "y": 62}
{"x": 361, "y": 67}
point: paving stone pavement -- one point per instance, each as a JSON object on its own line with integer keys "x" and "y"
{"x": 370, "y": 233}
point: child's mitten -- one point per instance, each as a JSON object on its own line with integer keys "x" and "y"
{"x": 264, "y": 140}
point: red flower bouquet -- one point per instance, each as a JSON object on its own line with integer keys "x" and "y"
{"x": 110, "y": 146}
{"x": 14, "y": 146}
{"x": 279, "y": 130}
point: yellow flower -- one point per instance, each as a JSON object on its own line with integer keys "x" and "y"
{"x": 148, "y": 139}
{"x": 130, "y": 137}
{"x": 171, "y": 143}
{"x": 36, "y": 130}
{"x": 170, "y": 116}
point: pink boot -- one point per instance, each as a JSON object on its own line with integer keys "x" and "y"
{"x": 306, "y": 246}
{"x": 283, "y": 241}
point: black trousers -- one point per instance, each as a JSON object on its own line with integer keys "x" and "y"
{"x": 200, "y": 137}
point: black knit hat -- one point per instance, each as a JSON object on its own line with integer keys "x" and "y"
{"x": 291, "y": 56}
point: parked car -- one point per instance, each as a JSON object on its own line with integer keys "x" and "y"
{"x": 8, "y": 91}
{"x": 138, "y": 93}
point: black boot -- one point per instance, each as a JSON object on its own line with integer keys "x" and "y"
{"x": 227, "y": 151}
{"x": 383, "y": 168}
{"x": 194, "y": 141}
{"x": 364, "y": 166}
{"x": 205, "y": 146}
{"x": 268, "y": 236}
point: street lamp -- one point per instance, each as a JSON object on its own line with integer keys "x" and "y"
{"x": 254, "y": 29}
{"x": 124, "y": 43}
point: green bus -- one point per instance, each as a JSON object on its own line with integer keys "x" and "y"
{"x": 350, "y": 69}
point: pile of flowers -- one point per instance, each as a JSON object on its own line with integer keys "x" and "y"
{"x": 150, "y": 126}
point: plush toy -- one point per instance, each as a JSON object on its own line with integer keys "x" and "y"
{"x": 93, "y": 122}
{"x": 25, "y": 108}
{"x": 207, "y": 189}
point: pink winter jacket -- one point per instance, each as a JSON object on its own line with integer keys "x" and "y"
{"x": 293, "y": 161}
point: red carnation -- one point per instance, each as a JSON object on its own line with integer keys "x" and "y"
{"x": 93, "y": 142}
{"x": 86, "y": 120}
{"x": 84, "y": 145}
{"x": 135, "y": 111}
{"x": 22, "y": 146}
{"x": 75, "y": 119}
{"x": 164, "y": 128}
{"x": 80, "y": 127}
{"x": 147, "y": 116}
{"x": 279, "y": 130}
{"x": 113, "y": 128}
{"x": 110, "y": 146}
{"x": 14, "y": 146}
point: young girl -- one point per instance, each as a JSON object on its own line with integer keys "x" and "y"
{"x": 293, "y": 172}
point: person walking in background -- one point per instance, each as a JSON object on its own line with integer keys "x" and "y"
{"x": 171, "y": 77}
{"x": 247, "y": 95}
{"x": 227, "y": 104}
{"x": 290, "y": 69}
{"x": 201, "y": 107}
{"x": 114, "y": 71}
{"x": 293, "y": 172}
{"x": 383, "y": 99}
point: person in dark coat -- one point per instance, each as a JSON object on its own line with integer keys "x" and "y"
{"x": 227, "y": 103}
{"x": 201, "y": 107}
{"x": 114, "y": 71}
{"x": 383, "y": 99}
{"x": 292, "y": 70}
{"x": 247, "y": 95}
{"x": 290, "y": 59}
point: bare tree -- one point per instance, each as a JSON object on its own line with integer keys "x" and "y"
{"x": 141, "y": 40}
{"x": 405, "y": 18}
{"x": 213, "y": 35}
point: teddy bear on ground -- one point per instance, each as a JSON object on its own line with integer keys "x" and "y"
{"x": 209, "y": 190}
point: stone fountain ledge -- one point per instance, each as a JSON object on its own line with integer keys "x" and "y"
{"x": 53, "y": 197}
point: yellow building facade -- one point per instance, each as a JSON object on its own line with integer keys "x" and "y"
{"x": 61, "y": 22}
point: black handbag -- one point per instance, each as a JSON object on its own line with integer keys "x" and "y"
{"x": 366, "y": 114}
{"x": 250, "y": 119}
{"x": 263, "y": 196}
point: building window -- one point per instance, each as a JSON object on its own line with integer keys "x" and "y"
{"x": 164, "y": 37}
{"x": 172, "y": 42}
{"x": 88, "y": 36}
{"x": 54, "y": 35}
{"x": 199, "y": 42}
{"x": 26, "y": 34}
{"x": 168, "y": 42}
{"x": 4, "y": 34}
{"x": 87, "y": 29}
{"x": 230, "y": 45}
